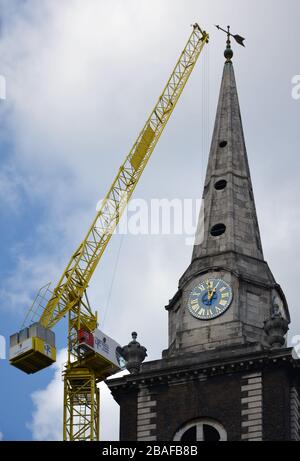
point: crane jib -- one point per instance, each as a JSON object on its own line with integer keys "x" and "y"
{"x": 85, "y": 261}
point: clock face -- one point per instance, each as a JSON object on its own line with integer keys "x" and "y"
{"x": 210, "y": 299}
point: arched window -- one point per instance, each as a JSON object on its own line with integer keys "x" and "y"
{"x": 202, "y": 430}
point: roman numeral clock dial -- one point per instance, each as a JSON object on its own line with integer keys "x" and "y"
{"x": 210, "y": 299}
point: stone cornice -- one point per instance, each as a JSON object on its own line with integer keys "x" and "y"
{"x": 167, "y": 372}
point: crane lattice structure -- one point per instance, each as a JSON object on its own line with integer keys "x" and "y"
{"x": 84, "y": 371}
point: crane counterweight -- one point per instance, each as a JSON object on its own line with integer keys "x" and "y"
{"x": 32, "y": 348}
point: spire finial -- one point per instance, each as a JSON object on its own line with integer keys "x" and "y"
{"x": 240, "y": 40}
{"x": 228, "y": 53}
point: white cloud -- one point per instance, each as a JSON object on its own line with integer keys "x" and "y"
{"x": 109, "y": 415}
{"x": 67, "y": 67}
{"x": 62, "y": 92}
{"x": 28, "y": 277}
{"x": 11, "y": 189}
{"x": 1, "y": 436}
{"x": 47, "y": 417}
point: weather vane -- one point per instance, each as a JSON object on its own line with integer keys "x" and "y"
{"x": 240, "y": 40}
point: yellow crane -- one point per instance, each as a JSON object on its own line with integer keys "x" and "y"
{"x": 93, "y": 356}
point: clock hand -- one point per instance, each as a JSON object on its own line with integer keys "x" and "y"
{"x": 211, "y": 295}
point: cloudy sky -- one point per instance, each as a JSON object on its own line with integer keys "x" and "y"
{"x": 82, "y": 77}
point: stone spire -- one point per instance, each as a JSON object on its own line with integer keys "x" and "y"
{"x": 227, "y": 251}
{"x": 228, "y": 220}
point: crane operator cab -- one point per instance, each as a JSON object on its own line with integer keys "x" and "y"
{"x": 100, "y": 353}
{"x": 32, "y": 348}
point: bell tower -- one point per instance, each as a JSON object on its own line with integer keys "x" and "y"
{"x": 227, "y": 365}
{"x": 228, "y": 291}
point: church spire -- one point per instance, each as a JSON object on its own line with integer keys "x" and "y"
{"x": 228, "y": 220}
{"x": 227, "y": 322}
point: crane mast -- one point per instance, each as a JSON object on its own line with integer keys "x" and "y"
{"x": 83, "y": 371}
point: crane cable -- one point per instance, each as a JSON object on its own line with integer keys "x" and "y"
{"x": 107, "y": 305}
